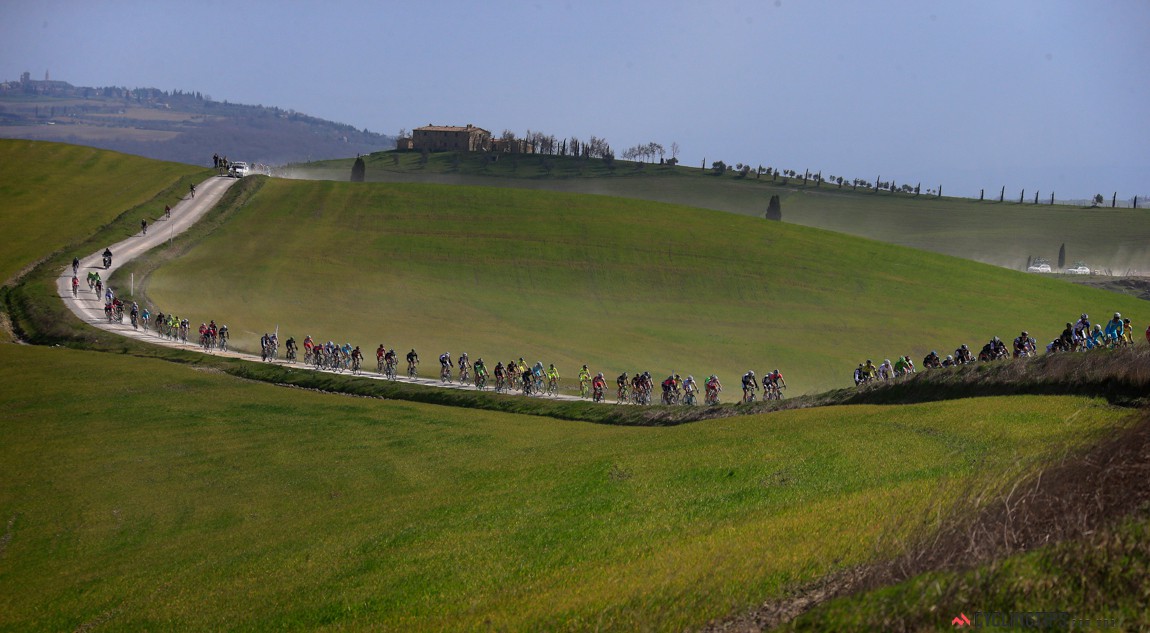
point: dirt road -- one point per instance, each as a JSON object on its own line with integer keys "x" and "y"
{"x": 89, "y": 307}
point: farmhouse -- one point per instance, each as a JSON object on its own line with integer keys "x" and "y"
{"x": 448, "y": 138}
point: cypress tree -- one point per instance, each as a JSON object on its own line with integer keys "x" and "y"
{"x": 775, "y": 209}
{"x": 1062, "y": 256}
{"x": 358, "y": 170}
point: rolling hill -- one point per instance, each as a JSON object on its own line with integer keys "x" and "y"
{"x": 1004, "y": 234}
{"x": 619, "y": 284}
{"x": 180, "y": 126}
{"x": 143, "y": 494}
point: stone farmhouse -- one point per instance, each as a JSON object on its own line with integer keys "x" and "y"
{"x": 447, "y": 138}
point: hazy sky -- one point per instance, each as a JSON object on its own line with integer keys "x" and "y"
{"x": 1029, "y": 94}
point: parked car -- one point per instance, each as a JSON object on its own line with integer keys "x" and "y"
{"x": 239, "y": 170}
{"x": 1038, "y": 268}
{"x": 1080, "y": 269}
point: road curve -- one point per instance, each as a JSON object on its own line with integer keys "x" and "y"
{"x": 89, "y": 308}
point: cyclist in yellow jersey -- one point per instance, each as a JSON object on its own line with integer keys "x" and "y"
{"x": 584, "y": 378}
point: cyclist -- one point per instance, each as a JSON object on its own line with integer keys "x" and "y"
{"x": 670, "y": 390}
{"x": 622, "y": 380}
{"x": 690, "y": 388}
{"x": 750, "y": 386}
{"x": 144, "y": 227}
{"x": 948, "y": 361}
{"x": 584, "y": 378}
{"x": 134, "y": 315}
{"x": 75, "y": 285}
{"x": 870, "y": 372}
{"x": 528, "y": 378}
{"x": 931, "y": 360}
{"x": 445, "y": 366}
{"x": 380, "y": 352}
{"x": 145, "y": 317}
{"x": 412, "y": 361}
{"x": 1127, "y": 332}
{"x": 598, "y": 386}
{"x": 107, "y": 257}
{"x": 962, "y": 355}
{"x": 356, "y": 358}
{"x": 500, "y": 375}
{"x": 480, "y": 374}
{"x": 713, "y": 388}
{"x": 192, "y": 189}
{"x": 389, "y": 362}
{"x": 778, "y": 383}
{"x": 1114, "y": 329}
{"x": 552, "y": 379}
{"x": 1024, "y": 345}
{"x": 291, "y": 347}
{"x": 223, "y": 334}
{"x": 464, "y": 365}
{"x": 902, "y": 366}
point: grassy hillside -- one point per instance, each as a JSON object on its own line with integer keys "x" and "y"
{"x": 55, "y": 194}
{"x": 1001, "y": 234}
{"x": 620, "y": 284}
{"x": 173, "y": 499}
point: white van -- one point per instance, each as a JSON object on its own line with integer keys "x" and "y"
{"x": 239, "y": 170}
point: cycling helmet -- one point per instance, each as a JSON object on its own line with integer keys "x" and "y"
{"x": 599, "y": 375}
{"x": 1024, "y": 333}
{"x": 933, "y": 353}
{"x": 1117, "y": 315}
{"x": 584, "y": 367}
{"x": 949, "y": 357}
{"x": 751, "y": 372}
{"x": 1084, "y": 316}
{"x": 691, "y": 378}
{"x": 964, "y": 346}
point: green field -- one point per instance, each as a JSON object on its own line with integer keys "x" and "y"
{"x": 619, "y": 284}
{"x": 1003, "y": 234}
{"x": 173, "y": 499}
{"x": 55, "y": 194}
{"x": 148, "y": 494}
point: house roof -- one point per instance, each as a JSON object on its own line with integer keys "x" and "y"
{"x": 449, "y": 128}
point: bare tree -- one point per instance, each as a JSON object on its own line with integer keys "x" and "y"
{"x": 675, "y": 150}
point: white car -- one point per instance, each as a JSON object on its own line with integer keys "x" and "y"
{"x": 1039, "y": 268}
{"x": 239, "y": 170}
{"x": 1078, "y": 270}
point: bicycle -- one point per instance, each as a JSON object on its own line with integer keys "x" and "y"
{"x": 379, "y": 364}
{"x": 597, "y": 394}
{"x": 712, "y": 397}
{"x": 481, "y": 382}
{"x": 411, "y": 369}
{"x": 500, "y": 384}
{"x": 389, "y": 370}
{"x": 553, "y": 387}
{"x": 445, "y": 373}
{"x": 582, "y": 388}
{"x": 291, "y": 355}
{"x": 621, "y": 395}
{"x": 355, "y": 365}
{"x": 464, "y": 375}
{"x": 748, "y": 396}
{"x": 690, "y": 399}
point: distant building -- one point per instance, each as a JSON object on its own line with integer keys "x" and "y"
{"x": 512, "y": 146}
{"x": 450, "y": 138}
{"x": 404, "y": 143}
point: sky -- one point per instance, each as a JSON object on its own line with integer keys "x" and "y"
{"x": 1028, "y": 94}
